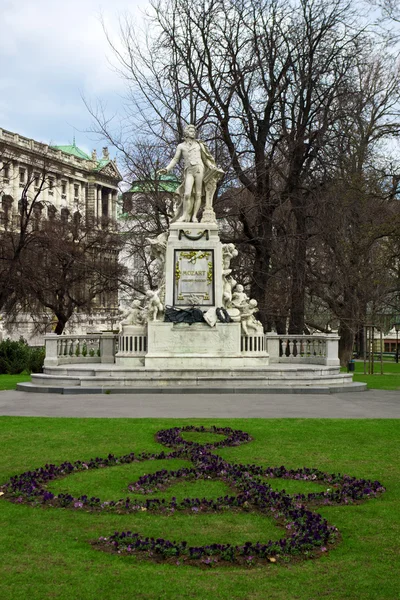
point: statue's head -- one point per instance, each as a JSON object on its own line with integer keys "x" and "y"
{"x": 189, "y": 131}
{"x": 239, "y": 288}
{"x": 136, "y": 303}
{"x": 253, "y": 303}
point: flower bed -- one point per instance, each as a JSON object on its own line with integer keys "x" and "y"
{"x": 306, "y": 533}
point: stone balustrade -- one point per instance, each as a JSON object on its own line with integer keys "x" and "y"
{"x": 253, "y": 344}
{"x": 132, "y": 343}
{"x": 75, "y": 349}
{"x": 318, "y": 349}
{"x": 132, "y": 346}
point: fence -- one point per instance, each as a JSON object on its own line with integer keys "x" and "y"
{"x": 306, "y": 349}
{"x": 78, "y": 349}
{"x": 103, "y": 347}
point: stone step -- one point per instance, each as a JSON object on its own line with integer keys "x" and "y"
{"x": 184, "y": 389}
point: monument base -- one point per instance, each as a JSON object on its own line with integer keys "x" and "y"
{"x": 184, "y": 346}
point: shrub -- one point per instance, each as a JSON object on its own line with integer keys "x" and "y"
{"x": 35, "y": 360}
{"x": 16, "y": 357}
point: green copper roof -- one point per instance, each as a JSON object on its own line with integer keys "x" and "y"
{"x": 102, "y": 163}
{"x": 74, "y": 150}
{"x": 163, "y": 183}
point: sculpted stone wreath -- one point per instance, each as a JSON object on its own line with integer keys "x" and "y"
{"x": 306, "y": 533}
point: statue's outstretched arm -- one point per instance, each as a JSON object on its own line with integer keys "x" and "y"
{"x": 173, "y": 162}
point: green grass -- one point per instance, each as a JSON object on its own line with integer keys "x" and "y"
{"x": 390, "y": 380}
{"x": 9, "y": 382}
{"x": 45, "y": 553}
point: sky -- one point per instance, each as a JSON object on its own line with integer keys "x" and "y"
{"x": 53, "y": 53}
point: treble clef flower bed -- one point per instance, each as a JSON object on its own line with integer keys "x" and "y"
{"x": 306, "y": 533}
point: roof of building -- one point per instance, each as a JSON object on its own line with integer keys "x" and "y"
{"x": 162, "y": 183}
{"x": 74, "y": 150}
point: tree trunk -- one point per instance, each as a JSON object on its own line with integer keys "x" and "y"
{"x": 298, "y": 289}
{"x": 260, "y": 280}
{"x": 346, "y": 343}
{"x": 61, "y": 323}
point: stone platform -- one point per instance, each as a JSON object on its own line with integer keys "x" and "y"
{"x": 276, "y": 378}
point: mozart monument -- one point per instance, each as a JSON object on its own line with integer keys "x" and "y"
{"x": 198, "y": 330}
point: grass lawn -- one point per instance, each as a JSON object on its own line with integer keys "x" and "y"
{"x": 390, "y": 380}
{"x": 9, "y": 382}
{"x": 45, "y": 553}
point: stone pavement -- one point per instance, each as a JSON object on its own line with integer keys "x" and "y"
{"x": 373, "y": 404}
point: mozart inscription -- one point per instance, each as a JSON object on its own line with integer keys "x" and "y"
{"x": 194, "y": 278}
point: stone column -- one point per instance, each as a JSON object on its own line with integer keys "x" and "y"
{"x": 114, "y": 205}
{"x": 51, "y": 340}
{"x": 107, "y": 347}
{"x": 332, "y": 349}
{"x": 71, "y": 194}
{"x": 91, "y": 202}
{"x": 99, "y": 213}
{"x": 109, "y": 204}
{"x": 14, "y": 182}
{"x": 272, "y": 340}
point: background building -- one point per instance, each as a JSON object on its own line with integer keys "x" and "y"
{"x": 69, "y": 184}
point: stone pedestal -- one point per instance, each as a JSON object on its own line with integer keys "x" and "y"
{"x": 132, "y": 346}
{"x": 193, "y": 266}
{"x": 199, "y": 346}
{"x": 332, "y": 349}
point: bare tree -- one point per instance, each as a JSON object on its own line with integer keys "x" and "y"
{"x": 46, "y": 263}
{"x": 71, "y": 268}
{"x": 350, "y": 256}
{"x": 264, "y": 80}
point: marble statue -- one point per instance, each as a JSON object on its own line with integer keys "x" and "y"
{"x": 228, "y": 253}
{"x": 158, "y": 248}
{"x": 228, "y": 283}
{"x": 247, "y": 318}
{"x": 135, "y": 315}
{"x": 200, "y": 178}
{"x": 154, "y": 305}
{"x": 239, "y": 297}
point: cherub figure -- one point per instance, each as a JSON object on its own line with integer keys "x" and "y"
{"x": 228, "y": 253}
{"x": 239, "y": 297}
{"x": 158, "y": 248}
{"x": 228, "y": 283}
{"x": 247, "y": 318}
{"x": 135, "y": 315}
{"x": 154, "y": 306}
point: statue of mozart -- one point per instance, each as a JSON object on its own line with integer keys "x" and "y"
{"x": 201, "y": 175}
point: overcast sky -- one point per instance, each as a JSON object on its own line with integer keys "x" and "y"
{"x": 51, "y": 53}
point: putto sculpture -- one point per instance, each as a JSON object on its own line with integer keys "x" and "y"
{"x": 134, "y": 315}
{"x": 201, "y": 175}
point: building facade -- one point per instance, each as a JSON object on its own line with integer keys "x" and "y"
{"x": 65, "y": 182}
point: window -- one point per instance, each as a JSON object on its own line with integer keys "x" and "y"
{"x": 63, "y": 189}
{"x": 76, "y": 192}
{"x": 5, "y": 213}
{"x": 22, "y": 178}
{"x": 37, "y": 181}
{"x": 51, "y": 186}
{"x": 51, "y": 212}
{"x": 6, "y": 173}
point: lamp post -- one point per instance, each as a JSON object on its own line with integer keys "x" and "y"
{"x": 397, "y": 329}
